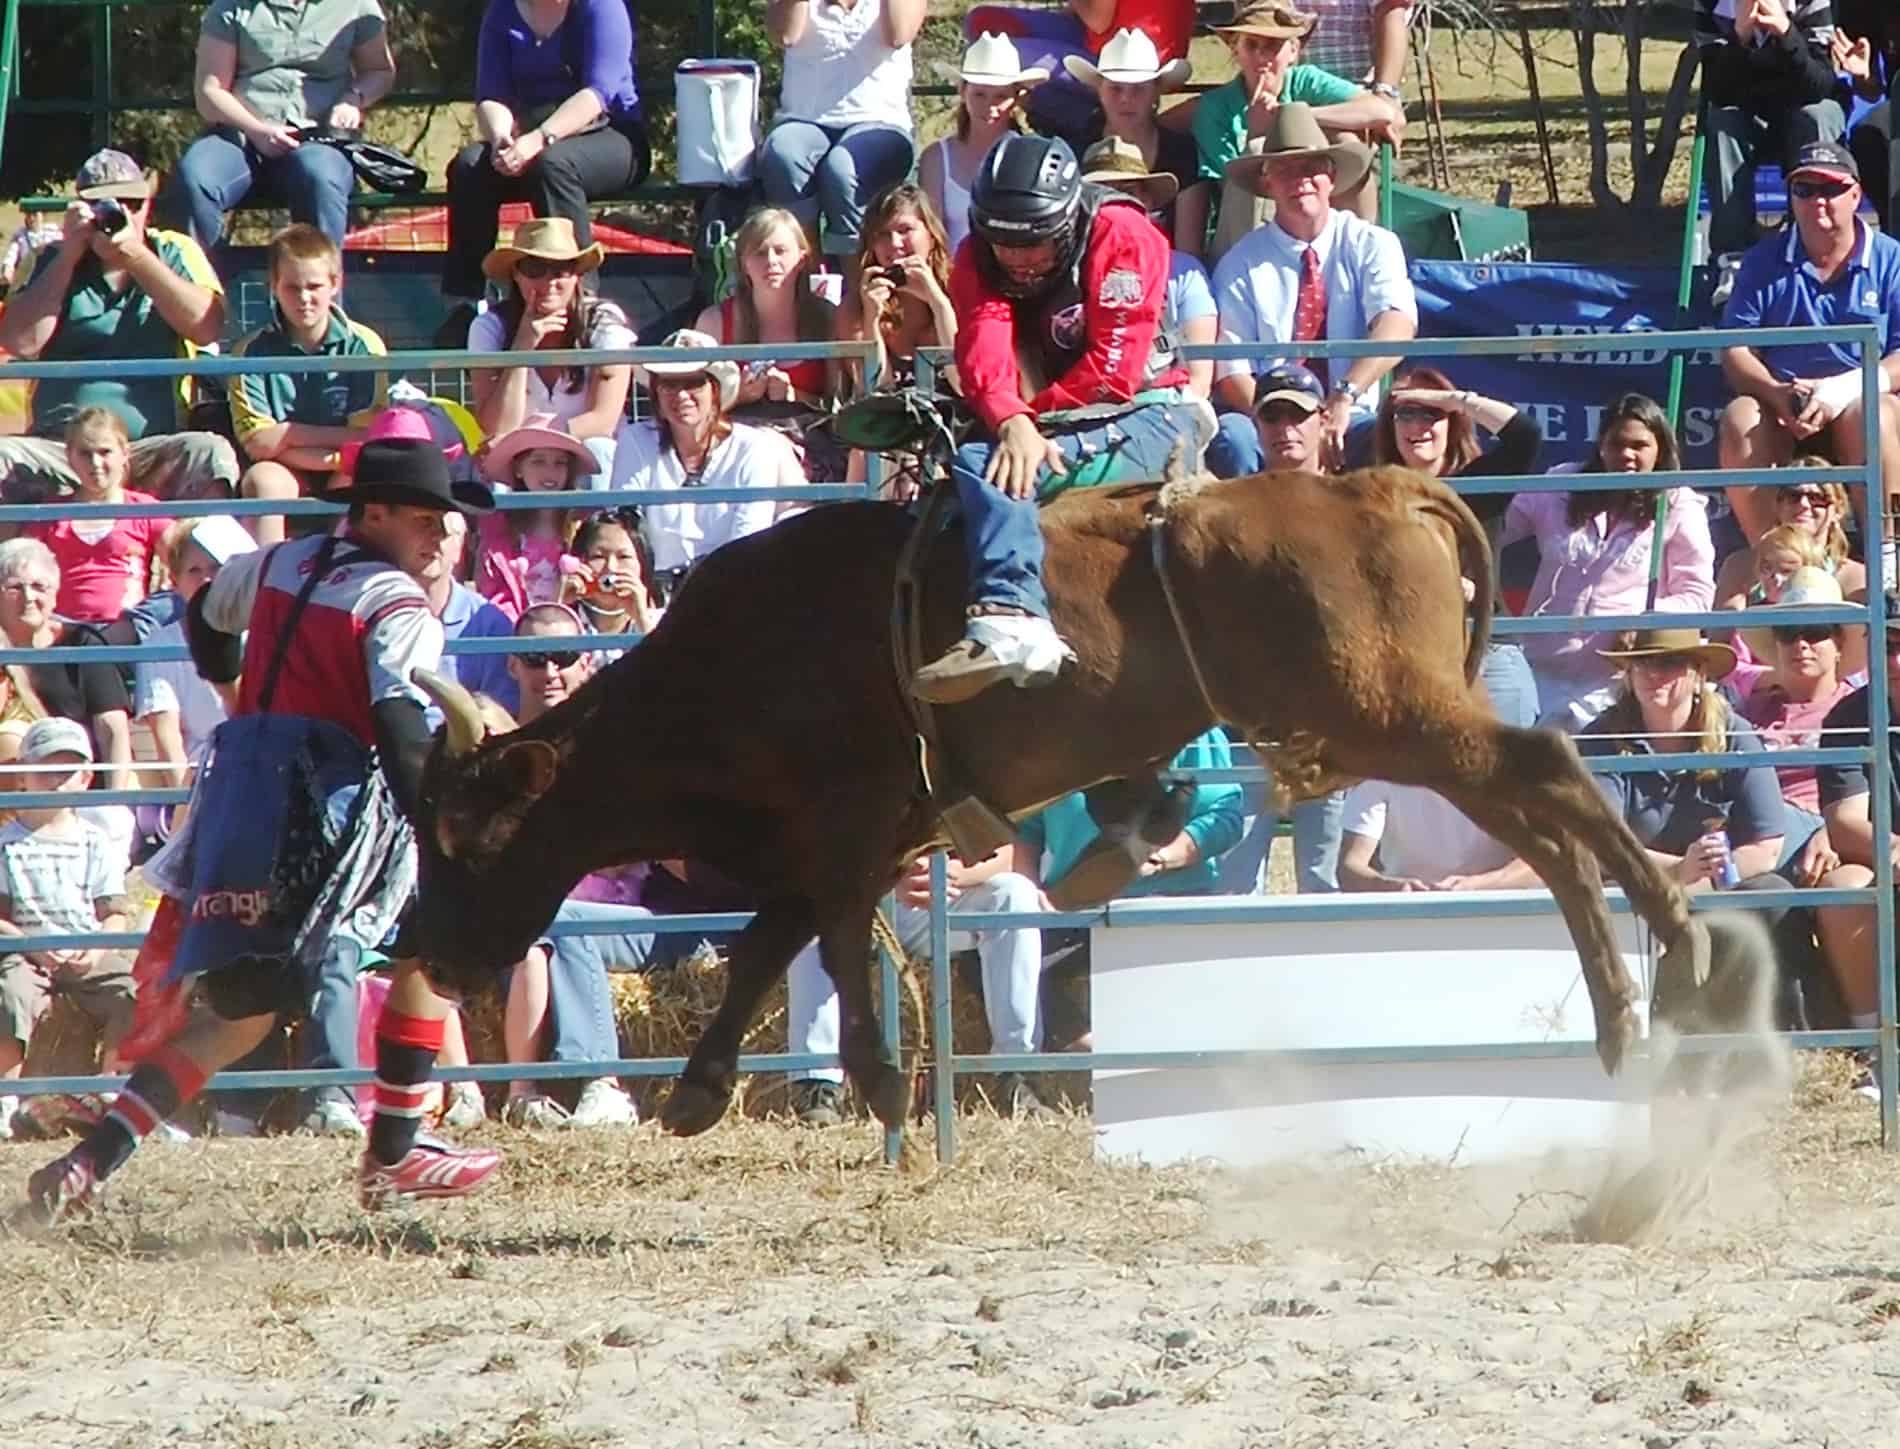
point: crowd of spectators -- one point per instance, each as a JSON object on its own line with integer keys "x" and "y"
{"x": 1261, "y": 188}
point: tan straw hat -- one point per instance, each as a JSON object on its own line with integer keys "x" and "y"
{"x": 1715, "y": 661}
{"x": 1130, "y": 57}
{"x": 992, "y": 60}
{"x": 1293, "y": 131}
{"x": 1274, "y": 19}
{"x": 547, "y": 238}
{"x": 1114, "y": 162}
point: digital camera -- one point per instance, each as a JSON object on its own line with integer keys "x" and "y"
{"x": 108, "y": 216}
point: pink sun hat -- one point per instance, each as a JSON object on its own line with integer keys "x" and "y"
{"x": 541, "y": 430}
{"x": 397, "y": 425}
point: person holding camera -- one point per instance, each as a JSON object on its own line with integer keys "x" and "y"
{"x": 115, "y": 287}
{"x": 267, "y": 77}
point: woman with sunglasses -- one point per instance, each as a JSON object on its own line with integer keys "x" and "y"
{"x": 1427, "y": 424}
{"x": 1708, "y": 829}
{"x": 1818, "y": 510}
{"x": 1594, "y": 550}
{"x": 692, "y": 442}
{"x": 548, "y": 307}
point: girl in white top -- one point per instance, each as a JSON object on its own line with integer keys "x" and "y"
{"x": 548, "y": 308}
{"x": 843, "y": 131}
{"x": 692, "y": 444}
{"x": 991, "y": 84}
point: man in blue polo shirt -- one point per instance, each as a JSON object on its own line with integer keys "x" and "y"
{"x": 1830, "y": 269}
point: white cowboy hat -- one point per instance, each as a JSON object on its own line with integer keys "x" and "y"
{"x": 991, "y": 60}
{"x": 1131, "y": 58}
{"x": 724, "y": 374}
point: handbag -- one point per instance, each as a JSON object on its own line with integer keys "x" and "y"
{"x": 716, "y": 107}
{"x": 379, "y": 167}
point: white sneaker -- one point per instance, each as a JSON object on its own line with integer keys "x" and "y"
{"x": 8, "y": 1106}
{"x": 604, "y": 1104}
{"x": 1727, "y": 266}
{"x": 169, "y": 1133}
{"x": 331, "y": 1118}
{"x": 466, "y": 1108}
{"x": 1021, "y": 648}
{"x": 233, "y": 1124}
{"x": 534, "y": 1110}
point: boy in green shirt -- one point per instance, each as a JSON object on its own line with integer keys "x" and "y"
{"x": 1265, "y": 38}
{"x": 294, "y": 426}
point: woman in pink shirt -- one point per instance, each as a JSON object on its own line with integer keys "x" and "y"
{"x": 1595, "y": 555}
{"x": 105, "y": 565}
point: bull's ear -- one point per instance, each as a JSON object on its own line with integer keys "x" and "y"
{"x": 522, "y": 770}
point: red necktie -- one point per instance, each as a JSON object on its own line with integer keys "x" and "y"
{"x": 1309, "y": 309}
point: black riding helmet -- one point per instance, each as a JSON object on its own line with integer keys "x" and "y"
{"x": 1029, "y": 190}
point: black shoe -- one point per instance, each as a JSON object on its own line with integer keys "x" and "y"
{"x": 817, "y": 1103}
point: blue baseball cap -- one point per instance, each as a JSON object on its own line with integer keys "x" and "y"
{"x": 1825, "y": 158}
{"x": 1289, "y": 382}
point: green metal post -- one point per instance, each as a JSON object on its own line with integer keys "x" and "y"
{"x": 709, "y": 27}
{"x": 9, "y": 56}
{"x": 1385, "y": 184}
{"x": 1685, "y": 276}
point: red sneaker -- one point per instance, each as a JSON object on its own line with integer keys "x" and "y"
{"x": 62, "y": 1189}
{"x": 432, "y": 1168}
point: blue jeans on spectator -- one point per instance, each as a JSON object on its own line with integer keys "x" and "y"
{"x": 578, "y": 998}
{"x": 1316, "y": 833}
{"x": 219, "y": 169}
{"x": 1001, "y": 533}
{"x": 1236, "y": 451}
{"x": 1507, "y": 678}
{"x": 833, "y": 172}
{"x": 327, "y": 1041}
{"x": 1798, "y": 827}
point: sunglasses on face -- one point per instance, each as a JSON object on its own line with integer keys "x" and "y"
{"x": 1804, "y": 633}
{"x": 1818, "y": 190}
{"x": 1812, "y": 497}
{"x": 1663, "y": 663}
{"x": 539, "y": 269}
{"x": 1416, "y": 414}
{"x": 562, "y": 659}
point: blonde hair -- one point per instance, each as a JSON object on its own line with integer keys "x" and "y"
{"x": 1786, "y": 538}
{"x": 97, "y": 420}
{"x": 814, "y": 324}
{"x": 1709, "y": 717}
{"x": 1834, "y": 541}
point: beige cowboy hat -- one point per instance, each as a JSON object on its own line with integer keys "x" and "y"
{"x": 1130, "y": 57}
{"x": 1716, "y": 661}
{"x": 1114, "y": 162}
{"x": 543, "y": 430}
{"x": 725, "y": 375}
{"x": 1294, "y": 132}
{"x": 548, "y": 238}
{"x": 992, "y": 60}
{"x": 1274, "y": 19}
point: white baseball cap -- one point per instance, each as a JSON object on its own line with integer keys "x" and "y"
{"x": 55, "y": 736}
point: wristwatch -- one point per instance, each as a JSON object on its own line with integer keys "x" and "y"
{"x": 1390, "y": 92}
{"x": 1350, "y": 391}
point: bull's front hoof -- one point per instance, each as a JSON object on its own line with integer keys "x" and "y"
{"x": 888, "y": 1093}
{"x": 1683, "y": 970}
{"x": 690, "y": 1109}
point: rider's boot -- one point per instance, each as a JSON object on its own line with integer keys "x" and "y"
{"x": 999, "y": 642}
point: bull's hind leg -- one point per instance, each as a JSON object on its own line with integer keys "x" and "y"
{"x": 758, "y": 959}
{"x": 1529, "y": 789}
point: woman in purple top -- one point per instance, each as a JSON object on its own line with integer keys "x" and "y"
{"x": 559, "y": 119}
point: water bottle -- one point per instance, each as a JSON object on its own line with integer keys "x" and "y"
{"x": 1729, "y": 876}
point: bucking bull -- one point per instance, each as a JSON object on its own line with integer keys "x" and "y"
{"x": 760, "y": 729}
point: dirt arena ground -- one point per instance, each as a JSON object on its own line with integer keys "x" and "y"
{"x": 772, "y": 1286}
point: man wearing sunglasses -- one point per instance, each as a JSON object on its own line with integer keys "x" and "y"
{"x": 1830, "y": 269}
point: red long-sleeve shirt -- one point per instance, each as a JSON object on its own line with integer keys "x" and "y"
{"x": 1124, "y": 284}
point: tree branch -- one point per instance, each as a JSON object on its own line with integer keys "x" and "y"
{"x": 1583, "y": 28}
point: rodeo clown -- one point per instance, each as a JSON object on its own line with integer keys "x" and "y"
{"x": 1062, "y": 357}
{"x": 298, "y": 839}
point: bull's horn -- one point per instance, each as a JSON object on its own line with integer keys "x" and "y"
{"x": 459, "y": 711}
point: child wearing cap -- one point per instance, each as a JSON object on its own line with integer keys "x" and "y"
{"x": 105, "y": 565}
{"x": 293, "y": 427}
{"x": 524, "y": 555}
{"x": 58, "y": 876}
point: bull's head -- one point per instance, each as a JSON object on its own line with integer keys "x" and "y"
{"x": 485, "y": 889}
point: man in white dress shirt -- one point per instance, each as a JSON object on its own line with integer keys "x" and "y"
{"x": 1310, "y": 273}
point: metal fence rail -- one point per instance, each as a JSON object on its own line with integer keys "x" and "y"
{"x": 1182, "y": 912}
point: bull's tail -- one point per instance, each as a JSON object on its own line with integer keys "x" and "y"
{"x": 1474, "y": 562}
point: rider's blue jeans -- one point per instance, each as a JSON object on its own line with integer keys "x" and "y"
{"x": 1000, "y": 533}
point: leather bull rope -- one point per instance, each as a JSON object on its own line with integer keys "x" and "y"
{"x": 1170, "y": 494}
